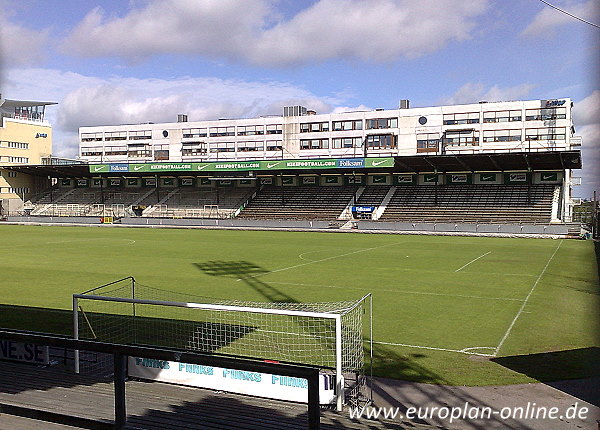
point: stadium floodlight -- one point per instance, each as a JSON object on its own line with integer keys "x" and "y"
{"x": 327, "y": 335}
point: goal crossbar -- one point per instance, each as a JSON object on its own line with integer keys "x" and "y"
{"x": 207, "y": 306}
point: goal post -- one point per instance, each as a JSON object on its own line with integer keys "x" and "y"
{"x": 327, "y": 335}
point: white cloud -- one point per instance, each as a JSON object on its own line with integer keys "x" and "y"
{"x": 359, "y": 108}
{"x": 549, "y": 19}
{"x": 473, "y": 92}
{"x": 20, "y": 46}
{"x": 87, "y": 100}
{"x": 377, "y": 30}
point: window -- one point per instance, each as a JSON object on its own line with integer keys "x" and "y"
{"x": 379, "y": 123}
{"x": 15, "y": 145}
{"x": 502, "y": 116}
{"x": 461, "y": 138}
{"x": 502, "y": 135}
{"x": 161, "y": 154}
{"x": 274, "y": 145}
{"x": 19, "y": 190}
{"x": 222, "y": 131}
{"x": 140, "y": 135}
{"x": 546, "y": 133}
{"x": 193, "y": 152}
{"x": 546, "y": 114}
{"x": 314, "y": 144}
{"x": 428, "y": 142}
{"x": 347, "y": 125}
{"x": 115, "y": 135}
{"x": 381, "y": 141}
{"x": 274, "y": 129}
{"x": 12, "y": 174}
{"x": 346, "y": 142}
{"x": 222, "y": 147}
{"x": 251, "y": 130}
{"x": 313, "y": 127}
{"x": 138, "y": 150}
{"x": 250, "y": 146}
{"x": 193, "y": 149}
{"x": 91, "y": 137}
{"x": 194, "y": 132}
{"x": 18, "y": 160}
{"x": 115, "y": 150}
{"x": 461, "y": 118}
{"x": 91, "y": 152}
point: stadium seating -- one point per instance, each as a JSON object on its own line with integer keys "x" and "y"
{"x": 299, "y": 203}
{"x": 478, "y": 203}
{"x": 471, "y": 203}
{"x": 373, "y": 195}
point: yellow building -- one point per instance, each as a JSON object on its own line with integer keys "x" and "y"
{"x": 25, "y": 138}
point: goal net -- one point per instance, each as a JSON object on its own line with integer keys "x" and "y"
{"x": 326, "y": 335}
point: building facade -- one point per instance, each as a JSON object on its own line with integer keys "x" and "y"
{"x": 25, "y": 138}
{"x": 525, "y": 126}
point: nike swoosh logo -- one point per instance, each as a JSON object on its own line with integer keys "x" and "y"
{"x": 377, "y": 163}
{"x": 487, "y": 177}
{"x": 548, "y": 177}
{"x": 97, "y": 169}
{"x": 203, "y": 167}
{"x": 136, "y": 168}
{"x": 269, "y": 165}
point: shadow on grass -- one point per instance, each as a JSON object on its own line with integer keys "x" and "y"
{"x": 572, "y": 370}
{"x": 55, "y": 321}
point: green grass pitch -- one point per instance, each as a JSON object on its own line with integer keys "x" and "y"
{"x": 453, "y": 310}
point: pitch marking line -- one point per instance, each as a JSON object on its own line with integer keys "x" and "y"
{"x": 400, "y": 291}
{"x": 321, "y": 260}
{"x": 473, "y": 261}
{"x": 131, "y": 241}
{"x": 461, "y": 351}
{"x": 510, "y": 327}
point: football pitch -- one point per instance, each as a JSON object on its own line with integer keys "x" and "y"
{"x": 450, "y": 310}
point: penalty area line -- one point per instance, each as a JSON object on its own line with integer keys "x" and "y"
{"x": 512, "y": 324}
{"x": 460, "y": 351}
{"x": 473, "y": 261}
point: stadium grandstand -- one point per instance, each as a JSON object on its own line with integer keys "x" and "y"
{"x": 503, "y": 167}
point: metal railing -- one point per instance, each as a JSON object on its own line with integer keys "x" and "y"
{"x": 120, "y": 354}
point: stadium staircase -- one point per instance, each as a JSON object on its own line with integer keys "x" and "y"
{"x": 519, "y": 204}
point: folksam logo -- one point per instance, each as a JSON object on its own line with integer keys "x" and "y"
{"x": 352, "y": 163}
{"x": 119, "y": 167}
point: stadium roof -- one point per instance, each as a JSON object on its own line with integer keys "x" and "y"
{"x": 7, "y": 103}
{"x": 489, "y": 162}
{"x": 522, "y": 161}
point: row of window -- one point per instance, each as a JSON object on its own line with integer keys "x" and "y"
{"x": 188, "y": 149}
{"x": 15, "y": 190}
{"x": 15, "y": 160}
{"x": 430, "y": 141}
{"x": 375, "y": 141}
{"x": 14, "y": 145}
{"x": 371, "y": 124}
{"x": 541, "y": 114}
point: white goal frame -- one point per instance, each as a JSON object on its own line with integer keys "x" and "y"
{"x": 332, "y": 316}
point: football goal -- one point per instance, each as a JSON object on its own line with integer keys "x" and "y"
{"x": 325, "y": 335}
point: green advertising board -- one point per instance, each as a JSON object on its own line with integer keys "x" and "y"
{"x": 245, "y": 166}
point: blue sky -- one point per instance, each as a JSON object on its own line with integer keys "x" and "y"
{"x": 117, "y": 61}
